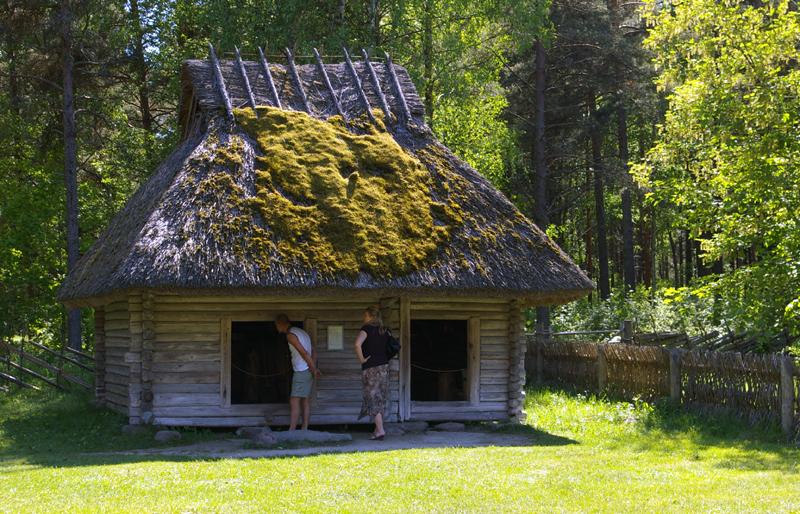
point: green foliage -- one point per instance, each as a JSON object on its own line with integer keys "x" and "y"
{"x": 473, "y": 128}
{"x": 665, "y": 309}
{"x": 726, "y": 160}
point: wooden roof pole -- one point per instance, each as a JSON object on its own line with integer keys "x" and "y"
{"x": 246, "y": 81}
{"x": 327, "y": 81}
{"x": 276, "y": 101}
{"x": 377, "y": 85}
{"x": 226, "y": 101}
{"x": 398, "y": 89}
{"x": 359, "y": 87}
{"x": 296, "y": 78}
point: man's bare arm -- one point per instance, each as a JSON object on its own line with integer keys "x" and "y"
{"x": 303, "y": 353}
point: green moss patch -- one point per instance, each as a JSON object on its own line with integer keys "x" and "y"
{"x": 344, "y": 202}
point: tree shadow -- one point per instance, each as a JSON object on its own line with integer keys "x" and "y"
{"x": 749, "y": 446}
{"x": 65, "y": 430}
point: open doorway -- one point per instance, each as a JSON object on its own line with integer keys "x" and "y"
{"x": 439, "y": 360}
{"x": 261, "y": 370}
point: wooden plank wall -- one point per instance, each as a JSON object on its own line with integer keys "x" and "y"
{"x": 116, "y": 337}
{"x": 174, "y": 358}
{"x": 187, "y": 359}
{"x": 491, "y": 316}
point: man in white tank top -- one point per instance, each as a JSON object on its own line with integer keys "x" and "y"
{"x": 304, "y": 369}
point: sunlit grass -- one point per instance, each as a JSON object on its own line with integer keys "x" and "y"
{"x": 586, "y": 454}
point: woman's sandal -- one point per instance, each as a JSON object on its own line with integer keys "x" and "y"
{"x": 377, "y": 437}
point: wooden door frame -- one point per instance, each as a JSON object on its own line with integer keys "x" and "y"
{"x": 473, "y": 361}
{"x": 309, "y": 325}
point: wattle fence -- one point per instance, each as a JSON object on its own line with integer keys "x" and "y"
{"x": 758, "y": 387}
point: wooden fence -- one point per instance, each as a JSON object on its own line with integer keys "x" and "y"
{"x": 759, "y": 387}
{"x": 29, "y": 365}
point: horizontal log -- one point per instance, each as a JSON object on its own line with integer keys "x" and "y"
{"x": 186, "y": 388}
{"x": 118, "y": 389}
{"x": 117, "y": 342}
{"x": 198, "y": 327}
{"x": 260, "y": 307}
{"x": 185, "y": 399}
{"x": 280, "y": 420}
{"x": 116, "y": 324}
{"x": 116, "y": 315}
{"x": 187, "y": 346}
{"x": 441, "y": 407}
{"x": 117, "y": 402}
{"x": 186, "y": 367}
{"x": 494, "y": 388}
{"x": 278, "y": 300}
{"x": 502, "y": 364}
{"x": 418, "y": 309}
{"x": 493, "y": 397}
{"x": 492, "y": 326}
{"x": 186, "y": 378}
{"x": 488, "y": 415}
{"x": 494, "y": 317}
{"x": 188, "y": 337}
{"x": 187, "y": 356}
{"x": 243, "y": 421}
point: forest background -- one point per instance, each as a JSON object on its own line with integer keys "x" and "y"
{"x": 657, "y": 142}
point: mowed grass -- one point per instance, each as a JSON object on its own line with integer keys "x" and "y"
{"x": 583, "y": 454}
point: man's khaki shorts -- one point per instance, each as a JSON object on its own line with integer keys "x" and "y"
{"x": 301, "y": 384}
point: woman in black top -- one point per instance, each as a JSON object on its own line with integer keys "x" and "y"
{"x": 371, "y": 352}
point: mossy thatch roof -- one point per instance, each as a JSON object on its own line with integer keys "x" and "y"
{"x": 310, "y": 203}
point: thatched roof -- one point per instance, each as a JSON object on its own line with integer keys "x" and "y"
{"x": 285, "y": 202}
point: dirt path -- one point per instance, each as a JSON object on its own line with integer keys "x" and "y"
{"x": 241, "y": 448}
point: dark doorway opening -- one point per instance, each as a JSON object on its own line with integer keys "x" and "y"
{"x": 439, "y": 360}
{"x": 261, "y": 369}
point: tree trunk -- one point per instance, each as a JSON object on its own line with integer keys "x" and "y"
{"x": 628, "y": 265}
{"x": 11, "y": 58}
{"x": 540, "y": 214}
{"x": 688, "y": 249}
{"x": 427, "y": 58}
{"x": 676, "y": 272}
{"x": 375, "y": 21}
{"x": 646, "y": 242}
{"x": 140, "y": 66}
{"x": 600, "y": 209}
{"x": 340, "y": 12}
{"x": 70, "y": 168}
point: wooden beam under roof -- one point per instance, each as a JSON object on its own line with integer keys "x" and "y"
{"x": 220, "y": 82}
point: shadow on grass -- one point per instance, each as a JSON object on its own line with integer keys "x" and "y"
{"x": 759, "y": 446}
{"x": 50, "y": 428}
{"x": 664, "y": 426}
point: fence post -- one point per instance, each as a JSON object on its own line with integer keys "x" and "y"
{"x": 602, "y": 369}
{"x": 787, "y": 394}
{"x": 627, "y": 331}
{"x": 675, "y": 375}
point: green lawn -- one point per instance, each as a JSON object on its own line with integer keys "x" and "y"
{"x": 585, "y": 454}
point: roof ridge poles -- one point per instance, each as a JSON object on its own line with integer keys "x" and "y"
{"x": 268, "y": 75}
{"x": 296, "y": 77}
{"x": 377, "y": 85}
{"x": 399, "y": 90}
{"x": 327, "y": 81}
{"x": 246, "y": 81}
{"x": 359, "y": 87}
{"x": 226, "y": 101}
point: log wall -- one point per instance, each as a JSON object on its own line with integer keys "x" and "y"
{"x": 116, "y": 342}
{"x": 173, "y": 357}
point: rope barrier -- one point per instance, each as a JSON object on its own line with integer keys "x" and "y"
{"x": 437, "y": 370}
{"x": 237, "y": 368}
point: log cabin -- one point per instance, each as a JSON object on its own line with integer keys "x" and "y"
{"x": 313, "y": 190}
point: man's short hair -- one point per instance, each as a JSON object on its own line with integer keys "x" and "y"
{"x": 283, "y": 318}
